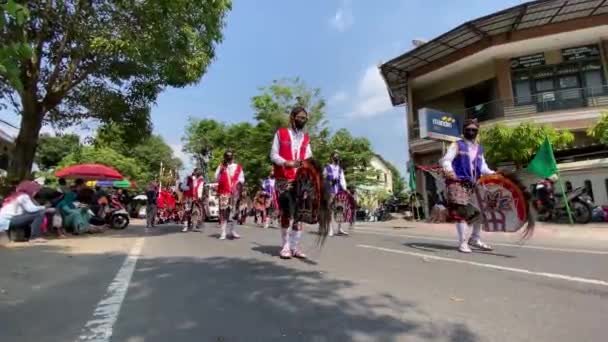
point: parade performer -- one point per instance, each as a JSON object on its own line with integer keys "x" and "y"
{"x": 289, "y": 148}
{"x": 272, "y": 205}
{"x": 231, "y": 179}
{"x": 464, "y": 164}
{"x": 195, "y": 185}
{"x": 334, "y": 175}
{"x": 261, "y": 203}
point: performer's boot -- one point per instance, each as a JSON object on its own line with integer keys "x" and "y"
{"x": 286, "y": 250}
{"x": 475, "y": 240}
{"x": 296, "y": 251}
{"x": 267, "y": 222}
{"x": 461, "y": 228}
{"x": 223, "y": 228}
{"x": 331, "y": 229}
{"x": 233, "y": 234}
{"x": 185, "y": 228}
{"x": 340, "y": 230}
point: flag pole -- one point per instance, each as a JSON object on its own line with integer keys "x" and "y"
{"x": 565, "y": 197}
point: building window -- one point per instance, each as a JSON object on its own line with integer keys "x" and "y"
{"x": 589, "y": 188}
{"x": 562, "y": 86}
{"x": 385, "y": 179}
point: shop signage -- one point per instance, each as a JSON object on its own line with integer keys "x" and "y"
{"x": 438, "y": 125}
{"x": 581, "y": 52}
{"x": 529, "y": 61}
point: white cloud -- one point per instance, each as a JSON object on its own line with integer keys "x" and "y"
{"x": 372, "y": 96}
{"x": 338, "y": 97}
{"x": 343, "y": 19}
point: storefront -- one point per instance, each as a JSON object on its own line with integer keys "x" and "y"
{"x": 576, "y": 76}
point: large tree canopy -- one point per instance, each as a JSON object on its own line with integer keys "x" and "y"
{"x": 599, "y": 131}
{"x": 518, "y": 144}
{"x": 105, "y": 60}
{"x": 252, "y": 142}
{"x": 52, "y": 149}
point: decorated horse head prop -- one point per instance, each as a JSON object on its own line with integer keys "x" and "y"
{"x": 312, "y": 197}
{"x": 502, "y": 199}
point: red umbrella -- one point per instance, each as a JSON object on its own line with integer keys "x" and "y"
{"x": 90, "y": 172}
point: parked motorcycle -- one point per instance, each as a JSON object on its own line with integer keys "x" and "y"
{"x": 551, "y": 206}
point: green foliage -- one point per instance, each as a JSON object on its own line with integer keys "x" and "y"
{"x": 103, "y": 60}
{"x": 52, "y": 149}
{"x": 519, "y": 144}
{"x": 599, "y": 131}
{"x": 252, "y": 142}
{"x": 14, "y": 47}
{"x": 398, "y": 181}
{"x": 128, "y": 167}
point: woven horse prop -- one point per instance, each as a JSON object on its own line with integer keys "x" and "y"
{"x": 343, "y": 207}
{"x": 312, "y": 198}
{"x": 502, "y": 200}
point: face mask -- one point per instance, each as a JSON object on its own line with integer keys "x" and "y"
{"x": 470, "y": 134}
{"x": 228, "y": 159}
{"x": 336, "y": 160}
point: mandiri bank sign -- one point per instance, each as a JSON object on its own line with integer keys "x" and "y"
{"x": 438, "y": 125}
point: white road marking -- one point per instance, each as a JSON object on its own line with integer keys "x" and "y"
{"x": 100, "y": 327}
{"x": 491, "y": 266}
{"x": 426, "y": 237}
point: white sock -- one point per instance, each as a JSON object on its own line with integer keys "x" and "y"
{"x": 284, "y": 238}
{"x": 296, "y": 235}
{"x": 461, "y": 228}
{"x": 223, "y": 229}
{"x": 475, "y": 234}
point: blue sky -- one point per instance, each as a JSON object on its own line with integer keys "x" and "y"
{"x": 334, "y": 45}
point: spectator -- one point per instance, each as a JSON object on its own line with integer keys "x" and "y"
{"x": 19, "y": 209}
{"x": 152, "y": 199}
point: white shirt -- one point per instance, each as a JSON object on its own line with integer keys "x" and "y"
{"x": 231, "y": 170}
{"x": 335, "y": 169}
{"x": 18, "y": 206}
{"x": 297, "y": 138}
{"x": 446, "y": 161}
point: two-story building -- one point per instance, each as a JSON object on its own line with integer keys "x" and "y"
{"x": 542, "y": 61}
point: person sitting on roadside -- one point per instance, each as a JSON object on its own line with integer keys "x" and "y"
{"x": 63, "y": 187}
{"x": 19, "y": 209}
{"x": 75, "y": 215}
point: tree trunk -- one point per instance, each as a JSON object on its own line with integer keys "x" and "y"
{"x": 25, "y": 146}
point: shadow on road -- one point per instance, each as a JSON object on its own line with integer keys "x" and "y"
{"x": 235, "y": 299}
{"x": 435, "y": 247}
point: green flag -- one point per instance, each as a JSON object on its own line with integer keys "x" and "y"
{"x": 412, "y": 172}
{"x": 543, "y": 164}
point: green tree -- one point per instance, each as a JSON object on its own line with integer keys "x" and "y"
{"x": 519, "y": 144}
{"x": 599, "y": 131}
{"x": 252, "y": 142}
{"x": 128, "y": 167}
{"x": 106, "y": 61}
{"x": 52, "y": 149}
{"x": 398, "y": 181}
{"x": 14, "y": 47}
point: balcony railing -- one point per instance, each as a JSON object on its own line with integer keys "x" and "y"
{"x": 547, "y": 101}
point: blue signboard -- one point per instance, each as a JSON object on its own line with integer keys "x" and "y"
{"x": 438, "y": 125}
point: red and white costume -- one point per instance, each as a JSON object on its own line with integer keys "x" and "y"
{"x": 193, "y": 191}
{"x": 288, "y": 145}
{"x": 228, "y": 176}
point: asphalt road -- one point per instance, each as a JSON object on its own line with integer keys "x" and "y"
{"x": 376, "y": 285}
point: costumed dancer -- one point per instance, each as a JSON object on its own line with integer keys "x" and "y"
{"x": 228, "y": 176}
{"x": 289, "y": 147}
{"x": 193, "y": 192}
{"x": 269, "y": 187}
{"x": 334, "y": 174}
{"x": 463, "y": 164}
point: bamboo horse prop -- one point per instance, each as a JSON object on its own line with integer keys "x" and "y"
{"x": 502, "y": 200}
{"x": 312, "y": 198}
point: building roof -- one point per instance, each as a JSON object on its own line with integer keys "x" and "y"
{"x": 525, "y": 16}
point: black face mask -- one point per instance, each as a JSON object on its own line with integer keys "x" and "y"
{"x": 336, "y": 160}
{"x": 299, "y": 124}
{"x": 470, "y": 134}
{"x": 228, "y": 159}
